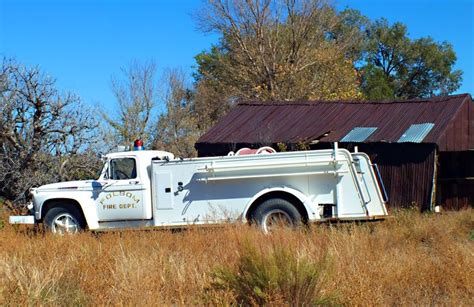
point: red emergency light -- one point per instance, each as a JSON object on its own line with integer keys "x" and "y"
{"x": 138, "y": 145}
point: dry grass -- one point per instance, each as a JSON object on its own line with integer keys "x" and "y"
{"x": 411, "y": 259}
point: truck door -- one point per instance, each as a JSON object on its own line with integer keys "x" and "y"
{"x": 121, "y": 194}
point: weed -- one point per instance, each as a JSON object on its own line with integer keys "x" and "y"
{"x": 411, "y": 259}
{"x": 276, "y": 275}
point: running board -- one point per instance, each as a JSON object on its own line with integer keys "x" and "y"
{"x": 353, "y": 219}
{"x": 124, "y": 224}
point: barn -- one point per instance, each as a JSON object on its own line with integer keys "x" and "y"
{"x": 423, "y": 147}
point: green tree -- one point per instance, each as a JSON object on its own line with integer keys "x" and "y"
{"x": 352, "y": 27}
{"x": 399, "y": 67}
{"x": 213, "y": 95}
{"x": 276, "y": 50}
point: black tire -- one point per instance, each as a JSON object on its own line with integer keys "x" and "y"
{"x": 70, "y": 218}
{"x": 276, "y": 210}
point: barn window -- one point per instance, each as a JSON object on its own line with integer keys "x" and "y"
{"x": 416, "y": 133}
{"x": 358, "y": 134}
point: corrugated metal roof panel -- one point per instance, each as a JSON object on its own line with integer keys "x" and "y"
{"x": 358, "y": 134}
{"x": 416, "y": 133}
{"x": 292, "y": 122}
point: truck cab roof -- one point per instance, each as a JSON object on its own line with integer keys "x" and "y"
{"x": 142, "y": 154}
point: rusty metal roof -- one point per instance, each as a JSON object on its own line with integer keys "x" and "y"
{"x": 265, "y": 122}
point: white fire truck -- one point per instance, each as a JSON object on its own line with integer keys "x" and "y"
{"x": 153, "y": 189}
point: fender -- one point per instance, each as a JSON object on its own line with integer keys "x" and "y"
{"x": 310, "y": 207}
{"x": 87, "y": 207}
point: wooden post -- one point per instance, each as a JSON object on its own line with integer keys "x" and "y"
{"x": 435, "y": 180}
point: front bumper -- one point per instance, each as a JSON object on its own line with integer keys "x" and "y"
{"x": 24, "y": 219}
{"x": 21, "y": 219}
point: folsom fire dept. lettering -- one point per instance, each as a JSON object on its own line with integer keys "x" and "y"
{"x": 132, "y": 202}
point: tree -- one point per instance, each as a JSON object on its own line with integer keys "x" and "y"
{"x": 275, "y": 50}
{"x": 135, "y": 94}
{"x": 178, "y": 126}
{"x": 398, "y": 67}
{"x": 43, "y": 134}
{"x": 213, "y": 96}
{"x": 352, "y": 27}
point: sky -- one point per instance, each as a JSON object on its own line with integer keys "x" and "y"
{"x": 82, "y": 44}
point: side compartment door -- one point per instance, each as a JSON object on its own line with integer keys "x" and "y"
{"x": 163, "y": 185}
{"x": 121, "y": 195}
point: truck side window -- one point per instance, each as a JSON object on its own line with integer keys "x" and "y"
{"x": 123, "y": 168}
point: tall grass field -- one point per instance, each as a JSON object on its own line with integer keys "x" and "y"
{"x": 409, "y": 259}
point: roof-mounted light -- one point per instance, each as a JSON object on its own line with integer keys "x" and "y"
{"x": 138, "y": 145}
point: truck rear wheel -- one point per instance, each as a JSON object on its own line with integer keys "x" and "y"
{"x": 63, "y": 220}
{"x": 276, "y": 213}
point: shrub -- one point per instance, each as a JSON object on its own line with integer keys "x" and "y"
{"x": 276, "y": 275}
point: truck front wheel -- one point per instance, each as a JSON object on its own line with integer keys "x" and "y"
{"x": 62, "y": 220}
{"x": 276, "y": 213}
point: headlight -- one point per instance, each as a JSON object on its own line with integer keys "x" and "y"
{"x": 31, "y": 208}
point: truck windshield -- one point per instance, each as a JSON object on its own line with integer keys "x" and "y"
{"x": 123, "y": 168}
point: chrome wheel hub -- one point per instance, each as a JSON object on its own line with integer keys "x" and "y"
{"x": 276, "y": 218}
{"x": 65, "y": 223}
